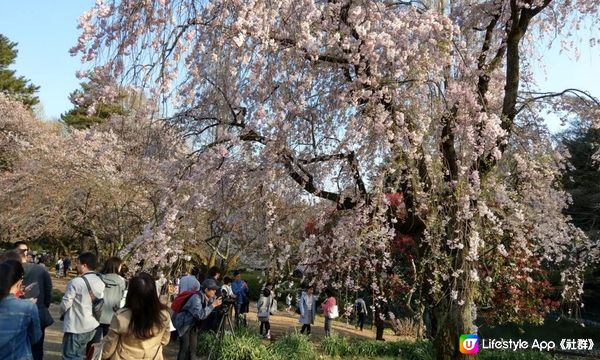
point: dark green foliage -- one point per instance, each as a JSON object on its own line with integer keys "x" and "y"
{"x": 16, "y": 87}
{"x": 254, "y": 284}
{"x": 344, "y": 347}
{"x": 80, "y": 116}
{"x": 244, "y": 345}
{"x": 294, "y": 346}
{"x": 582, "y": 181}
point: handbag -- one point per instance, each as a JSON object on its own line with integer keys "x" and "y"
{"x": 97, "y": 303}
{"x": 334, "y": 312}
{"x": 95, "y": 351}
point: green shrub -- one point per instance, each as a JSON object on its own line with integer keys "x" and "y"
{"x": 341, "y": 346}
{"x": 254, "y": 284}
{"x": 336, "y": 345}
{"x": 420, "y": 350}
{"x": 243, "y": 345}
{"x": 206, "y": 341}
{"x": 294, "y": 346}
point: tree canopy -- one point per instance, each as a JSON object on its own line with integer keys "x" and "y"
{"x": 15, "y": 86}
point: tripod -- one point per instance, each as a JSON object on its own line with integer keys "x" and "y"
{"x": 225, "y": 324}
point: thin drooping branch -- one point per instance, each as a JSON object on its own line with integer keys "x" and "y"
{"x": 583, "y": 95}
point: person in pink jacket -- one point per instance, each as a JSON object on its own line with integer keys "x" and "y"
{"x": 327, "y": 307}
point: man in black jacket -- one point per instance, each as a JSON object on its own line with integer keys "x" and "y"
{"x": 38, "y": 287}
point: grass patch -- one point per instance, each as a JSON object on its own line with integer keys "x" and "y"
{"x": 339, "y": 346}
{"x": 247, "y": 345}
{"x": 294, "y": 346}
{"x": 244, "y": 345}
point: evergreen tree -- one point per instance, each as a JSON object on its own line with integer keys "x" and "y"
{"x": 582, "y": 179}
{"x": 17, "y": 87}
{"x": 86, "y": 113}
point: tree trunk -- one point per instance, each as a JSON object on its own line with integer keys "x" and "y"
{"x": 450, "y": 321}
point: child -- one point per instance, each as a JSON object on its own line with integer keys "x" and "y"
{"x": 264, "y": 310}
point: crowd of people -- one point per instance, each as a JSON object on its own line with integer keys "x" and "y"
{"x": 102, "y": 313}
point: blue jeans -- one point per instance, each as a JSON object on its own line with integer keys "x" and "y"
{"x": 237, "y": 307}
{"x": 74, "y": 345}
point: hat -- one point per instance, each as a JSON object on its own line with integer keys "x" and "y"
{"x": 210, "y": 284}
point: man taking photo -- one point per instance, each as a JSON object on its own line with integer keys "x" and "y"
{"x": 187, "y": 321}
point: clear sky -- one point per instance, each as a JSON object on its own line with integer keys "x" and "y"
{"x": 46, "y": 29}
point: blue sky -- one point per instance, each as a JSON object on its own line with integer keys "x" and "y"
{"x": 46, "y": 29}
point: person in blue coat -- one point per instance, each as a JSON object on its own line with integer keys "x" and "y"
{"x": 19, "y": 319}
{"x": 308, "y": 308}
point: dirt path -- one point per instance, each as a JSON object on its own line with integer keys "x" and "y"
{"x": 281, "y": 324}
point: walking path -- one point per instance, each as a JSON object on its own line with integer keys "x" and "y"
{"x": 281, "y": 324}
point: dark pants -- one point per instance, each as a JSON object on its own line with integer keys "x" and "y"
{"x": 184, "y": 347}
{"x": 328, "y": 321}
{"x": 188, "y": 344}
{"x": 305, "y": 327}
{"x": 266, "y": 325}
{"x": 361, "y": 320}
{"x": 37, "y": 349}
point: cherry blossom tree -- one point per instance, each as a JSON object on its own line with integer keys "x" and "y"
{"x": 418, "y": 121}
{"x": 93, "y": 189}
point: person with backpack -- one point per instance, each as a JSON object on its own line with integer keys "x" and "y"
{"x": 360, "y": 307}
{"x": 330, "y": 310}
{"x": 19, "y": 319}
{"x": 265, "y": 306}
{"x": 189, "y": 310}
{"x": 189, "y": 281}
{"x": 80, "y": 305}
{"x": 114, "y": 291}
{"x": 142, "y": 328}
